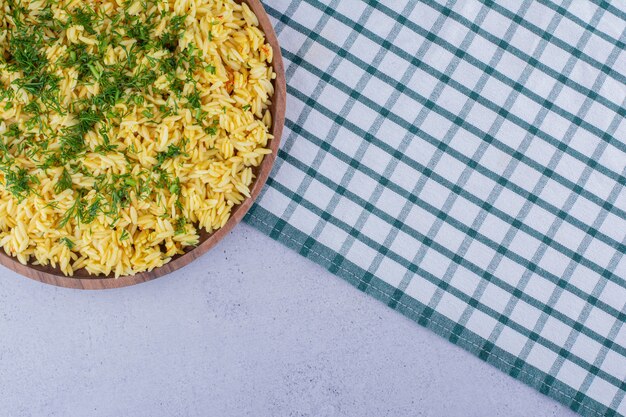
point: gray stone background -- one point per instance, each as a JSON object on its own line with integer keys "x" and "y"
{"x": 250, "y": 329}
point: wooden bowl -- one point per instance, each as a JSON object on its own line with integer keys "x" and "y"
{"x": 82, "y": 280}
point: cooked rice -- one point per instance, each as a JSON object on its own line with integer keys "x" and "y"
{"x": 166, "y": 167}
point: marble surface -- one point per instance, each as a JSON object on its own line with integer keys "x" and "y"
{"x": 250, "y": 329}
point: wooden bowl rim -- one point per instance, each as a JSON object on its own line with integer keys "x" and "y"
{"x": 54, "y": 276}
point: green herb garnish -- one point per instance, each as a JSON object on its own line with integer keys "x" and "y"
{"x": 67, "y": 242}
{"x": 65, "y": 182}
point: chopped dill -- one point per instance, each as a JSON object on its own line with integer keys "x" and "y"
{"x": 19, "y": 182}
{"x": 175, "y": 186}
{"x": 67, "y": 242}
{"x": 85, "y": 16}
{"x": 92, "y": 211}
{"x": 24, "y": 51}
{"x": 87, "y": 120}
{"x": 75, "y": 211}
{"x": 180, "y": 224}
{"x": 82, "y": 210}
{"x": 52, "y": 204}
{"x": 212, "y": 129}
{"x": 169, "y": 40}
{"x": 65, "y": 182}
{"x": 106, "y": 146}
{"x": 13, "y": 131}
{"x": 172, "y": 152}
{"x": 194, "y": 99}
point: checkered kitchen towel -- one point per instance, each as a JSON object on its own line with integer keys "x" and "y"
{"x": 465, "y": 163}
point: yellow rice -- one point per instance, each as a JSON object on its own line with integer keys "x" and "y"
{"x": 214, "y": 170}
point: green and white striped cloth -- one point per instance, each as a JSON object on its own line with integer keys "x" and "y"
{"x": 465, "y": 163}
